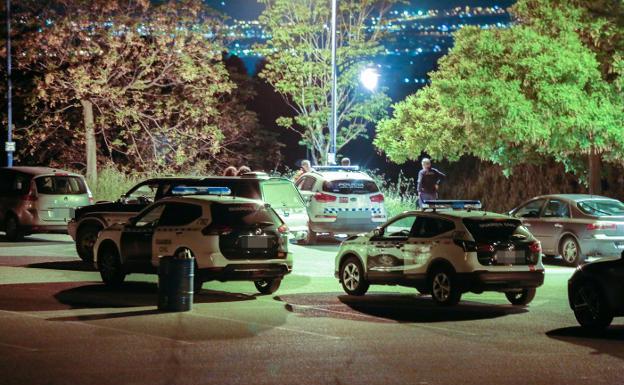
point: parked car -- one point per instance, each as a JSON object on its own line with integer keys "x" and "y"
{"x": 39, "y": 200}
{"x": 575, "y": 226}
{"x": 231, "y": 238}
{"x": 445, "y": 253}
{"x": 596, "y": 292}
{"x": 280, "y": 193}
{"x": 341, "y": 200}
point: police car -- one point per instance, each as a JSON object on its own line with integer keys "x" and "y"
{"x": 341, "y": 200}
{"x": 231, "y": 239}
{"x": 445, "y": 250}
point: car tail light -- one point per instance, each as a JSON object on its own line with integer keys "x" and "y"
{"x": 378, "y": 198}
{"x": 283, "y": 229}
{"x": 217, "y": 230}
{"x": 535, "y": 247}
{"x": 32, "y": 193}
{"x": 601, "y": 226}
{"x": 324, "y": 198}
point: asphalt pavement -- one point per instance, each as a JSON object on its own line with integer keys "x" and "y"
{"x": 60, "y": 325}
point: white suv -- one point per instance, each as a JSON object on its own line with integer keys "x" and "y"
{"x": 445, "y": 253}
{"x": 341, "y": 200}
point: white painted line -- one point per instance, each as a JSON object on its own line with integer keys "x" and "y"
{"x": 269, "y": 326}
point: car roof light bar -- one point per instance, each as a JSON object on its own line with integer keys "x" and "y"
{"x": 200, "y": 190}
{"x": 451, "y": 204}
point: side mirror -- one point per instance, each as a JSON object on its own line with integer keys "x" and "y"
{"x": 131, "y": 221}
{"x": 377, "y": 232}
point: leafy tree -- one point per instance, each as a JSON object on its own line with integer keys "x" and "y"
{"x": 145, "y": 81}
{"x": 299, "y": 66}
{"x": 550, "y": 86}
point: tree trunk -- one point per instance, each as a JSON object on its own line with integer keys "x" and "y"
{"x": 595, "y": 185}
{"x": 90, "y": 147}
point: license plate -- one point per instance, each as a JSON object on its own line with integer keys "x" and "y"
{"x": 510, "y": 256}
{"x": 344, "y": 200}
{"x": 256, "y": 242}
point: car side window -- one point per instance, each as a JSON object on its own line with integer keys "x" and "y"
{"x": 530, "y": 210}
{"x": 308, "y": 183}
{"x": 401, "y": 227}
{"x": 427, "y": 227}
{"x": 556, "y": 209}
{"x": 179, "y": 214}
{"x": 150, "y": 218}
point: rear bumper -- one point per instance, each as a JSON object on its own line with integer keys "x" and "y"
{"x": 607, "y": 247}
{"x": 246, "y": 271}
{"x": 345, "y": 225}
{"x": 485, "y": 280}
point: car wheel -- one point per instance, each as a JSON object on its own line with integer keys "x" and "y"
{"x": 12, "y": 229}
{"x": 521, "y": 298}
{"x": 352, "y": 277}
{"x": 590, "y": 306}
{"x": 268, "y": 286}
{"x": 570, "y": 251}
{"x": 85, "y": 239}
{"x": 443, "y": 286}
{"x": 109, "y": 265}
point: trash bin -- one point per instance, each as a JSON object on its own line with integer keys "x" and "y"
{"x": 175, "y": 283}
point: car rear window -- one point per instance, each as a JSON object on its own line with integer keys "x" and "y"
{"x": 242, "y": 215}
{"x": 602, "y": 207}
{"x": 491, "y": 230}
{"x": 281, "y": 194}
{"x": 60, "y": 185}
{"x": 350, "y": 186}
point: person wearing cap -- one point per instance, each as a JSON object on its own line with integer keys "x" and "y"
{"x": 230, "y": 171}
{"x": 306, "y": 166}
{"x": 243, "y": 170}
{"x": 345, "y": 162}
{"x": 429, "y": 180}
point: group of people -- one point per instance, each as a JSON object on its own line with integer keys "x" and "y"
{"x": 233, "y": 171}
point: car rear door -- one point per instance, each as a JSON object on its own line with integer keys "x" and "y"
{"x": 427, "y": 241}
{"x": 172, "y": 229}
{"x": 554, "y": 220}
{"x": 285, "y": 199}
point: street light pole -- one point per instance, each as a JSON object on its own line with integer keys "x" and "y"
{"x": 9, "y": 144}
{"x": 333, "y": 123}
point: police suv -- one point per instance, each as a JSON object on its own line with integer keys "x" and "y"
{"x": 341, "y": 200}
{"x": 231, "y": 239}
{"x": 445, "y": 250}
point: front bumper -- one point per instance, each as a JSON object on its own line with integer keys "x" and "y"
{"x": 246, "y": 271}
{"x": 493, "y": 281}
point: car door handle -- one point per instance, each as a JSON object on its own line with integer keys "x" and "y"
{"x": 559, "y": 225}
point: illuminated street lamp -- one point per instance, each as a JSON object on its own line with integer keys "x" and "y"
{"x": 369, "y": 78}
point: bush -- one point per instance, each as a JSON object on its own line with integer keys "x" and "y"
{"x": 400, "y": 196}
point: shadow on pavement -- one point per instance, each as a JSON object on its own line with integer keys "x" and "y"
{"x": 74, "y": 265}
{"x": 73, "y": 295}
{"x": 609, "y": 341}
{"x": 391, "y": 308}
{"x": 32, "y": 240}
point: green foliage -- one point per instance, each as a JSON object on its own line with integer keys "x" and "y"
{"x": 299, "y": 66}
{"x": 519, "y": 95}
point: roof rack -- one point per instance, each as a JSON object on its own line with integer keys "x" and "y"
{"x": 336, "y": 168}
{"x": 451, "y": 204}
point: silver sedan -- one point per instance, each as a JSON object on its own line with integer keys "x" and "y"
{"x": 575, "y": 226}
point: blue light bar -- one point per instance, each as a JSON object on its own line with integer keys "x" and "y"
{"x": 452, "y": 204}
{"x": 336, "y": 168}
{"x": 200, "y": 190}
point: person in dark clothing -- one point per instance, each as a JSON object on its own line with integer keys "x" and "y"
{"x": 429, "y": 179}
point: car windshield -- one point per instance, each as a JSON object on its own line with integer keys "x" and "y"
{"x": 350, "y": 186}
{"x": 281, "y": 194}
{"x": 602, "y": 207}
{"x": 60, "y": 185}
{"x": 495, "y": 230}
{"x": 243, "y": 215}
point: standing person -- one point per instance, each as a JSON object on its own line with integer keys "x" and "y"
{"x": 305, "y": 167}
{"x": 230, "y": 171}
{"x": 243, "y": 170}
{"x": 429, "y": 179}
{"x": 345, "y": 162}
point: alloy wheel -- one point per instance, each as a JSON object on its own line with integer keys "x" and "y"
{"x": 351, "y": 276}
{"x": 441, "y": 286}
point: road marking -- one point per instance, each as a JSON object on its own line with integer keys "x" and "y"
{"x": 269, "y": 326}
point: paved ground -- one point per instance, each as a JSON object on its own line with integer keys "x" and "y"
{"x": 60, "y": 325}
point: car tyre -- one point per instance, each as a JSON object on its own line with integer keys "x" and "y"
{"x": 268, "y": 286}
{"x": 443, "y": 286}
{"x": 110, "y": 267}
{"x": 12, "y": 229}
{"x": 570, "y": 251}
{"x": 85, "y": 240}
{"x": 352, "y": 277}
{"x": 521, "y": 298}
{"x": 590, "y": 306}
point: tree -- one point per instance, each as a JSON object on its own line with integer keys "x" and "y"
{"x": 538, "y": 89}
{"x": 145, "y": 81}
{"x": 299, "y": 66}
